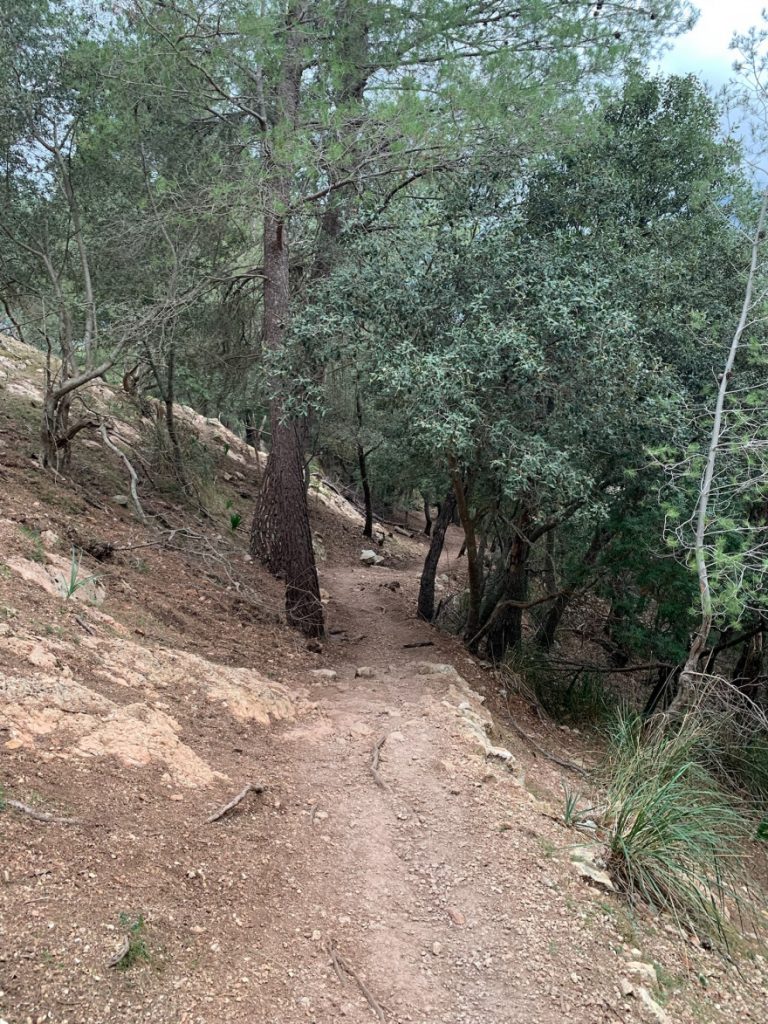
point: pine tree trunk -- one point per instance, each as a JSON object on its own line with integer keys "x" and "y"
{"x": 428, "y": 516}
{"x": 281, "y": 536}
{"x": 426, "y": 605}
{"x": 361, "y": 461}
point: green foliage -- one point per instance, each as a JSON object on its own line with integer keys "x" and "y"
{"x": 75, "y": 581}
{"x": 234, "y": 520}
{"x": 576, "y": 697}
{"x": 36, "y": 551}
{"x": 137, "y": 951}
{"x": 675, "y": 836}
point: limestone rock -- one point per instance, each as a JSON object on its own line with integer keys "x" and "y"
{"x": 643, "y": 970}
{"x": 656, "y": 1011}
{"x": 364, "y": 672}
{"x": 326, "y": 674}
{"x": 588, "y": 864}
{"x": 369, "y": 557}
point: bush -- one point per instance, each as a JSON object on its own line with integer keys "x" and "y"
{"x": 580, "y": 698}
{"x": 676, "y": 835}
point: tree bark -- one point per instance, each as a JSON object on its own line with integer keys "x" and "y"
{"x": 507, "y": 628}
{"x": 474, "y": 566}
{"x": 363, "y": 466}
{"x": 281, "y": 536}
{"x": 361, "y": 461}
{"x": 428, "y": 515}
{"x": 545, "y": 634}
{"x": 426, "y": 604}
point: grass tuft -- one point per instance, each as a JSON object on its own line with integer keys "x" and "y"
{"x": 676, "y": 835}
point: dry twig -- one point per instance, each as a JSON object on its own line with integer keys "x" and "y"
{"x": 85, "y": 626}
{"x": 49, "y": 819}
{"x": 250, "y": 788}
{"x": 342, "y": 967}
{"x": 128, "y": 465}
{"x": 122, "y": 952}
{"x": 569, "y": 765}
{"x": 374, "y": 766}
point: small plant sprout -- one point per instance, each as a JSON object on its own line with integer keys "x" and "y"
{"x": 570, "y": 806}
{"x": 75, "y": 581}
{"x": 133, "y": 949}
{"x": 573, "y": 815}
{"x": 234, "y": 521}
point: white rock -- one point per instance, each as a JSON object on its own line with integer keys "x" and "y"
{"x": 652, "y": 1006}
{"x": 585, "y": 860}
{"x": 643, "y": 970}
{"x": 324, "y": 673}
{"x": 364, "y": 672}
{"x": 369, "y": 557}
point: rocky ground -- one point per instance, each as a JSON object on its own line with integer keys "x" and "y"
{"x": 402, "y": 856}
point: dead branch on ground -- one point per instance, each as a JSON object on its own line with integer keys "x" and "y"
{"x": 342, "y": 966}
{"x": 49, "y": 819}
{"x": 374, "y": 765}
{"x": 250, "y": 788}
{"x": 561, "y": 762}
{"x": 129, "y": 466}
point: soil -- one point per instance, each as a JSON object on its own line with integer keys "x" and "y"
{"x": 406, "y": 860}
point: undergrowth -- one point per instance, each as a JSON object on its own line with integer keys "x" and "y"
{"x": 575, "y": 698}
{"x": 676, "y": 835}
{"x": 136, "y": 949}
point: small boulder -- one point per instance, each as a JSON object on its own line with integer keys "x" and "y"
{"x": 657, "y": 1011}
{"x": 364, "y": 672}
{"x": 589, "y": 865}
{"x": 121, "y": 499}
{"x": 326, "y": 674}
{"x": 643, "y": 970}
{"x": 369, "y": 557}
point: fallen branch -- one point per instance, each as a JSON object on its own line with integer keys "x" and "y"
{"x": 250, "y": 788}
{"x": 133, "y": 474}
{"x": 342, "y": 967}
{"x": 419, "y": 643}
{"x": 374, "y": 766}
{"x": 121, "y": 954}
{"x": 49, "y": 819}
{"x": 84, "y": 625}
{"x": 561, "y": 762}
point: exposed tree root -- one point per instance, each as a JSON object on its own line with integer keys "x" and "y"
{"x": 374, "y": 765}
{"x": 342, "y": 967}
{"x": 49, "y": 819}
{"x": 250, "y": 788}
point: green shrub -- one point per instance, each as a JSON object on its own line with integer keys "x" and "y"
{"x": 675, "y": 835}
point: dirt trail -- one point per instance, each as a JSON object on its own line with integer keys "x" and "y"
{"x": 444, "y": 882}
{"x": 449, "y": 912}
{"x": 438, "y": 888}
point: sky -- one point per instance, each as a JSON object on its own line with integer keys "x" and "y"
{"x": 704, "y": 51}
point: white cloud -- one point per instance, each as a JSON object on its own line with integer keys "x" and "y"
{"x": 705, "y": 50}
